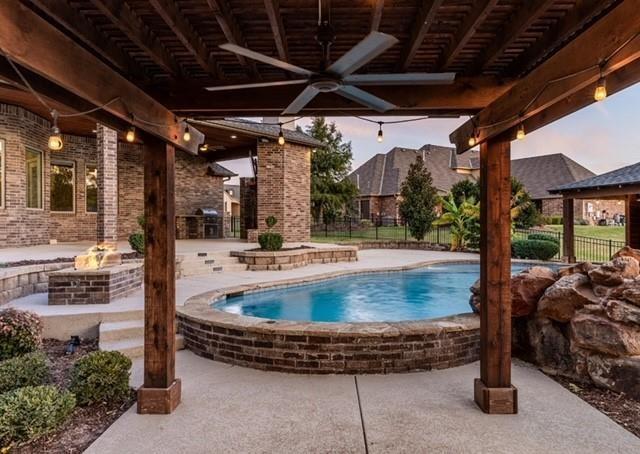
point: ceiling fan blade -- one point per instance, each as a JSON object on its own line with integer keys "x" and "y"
{"x": 256, "y": 85}
{"x": 266, "y": 59}
{"x": 365, "y": 98}
{"x": 400, "y": 79}
{"x": 301, "y": 101}
{"x": 362, "y": 53}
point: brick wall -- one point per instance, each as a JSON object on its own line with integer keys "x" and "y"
{"x": 20, "y": 226}
{"x": 107, "y": 157}
{"x": 284, "y": 184}
{"x": 553, "y": 207}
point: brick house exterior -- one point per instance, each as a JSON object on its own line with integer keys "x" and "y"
{"x": 379, "y": 180}
{"x": 21, "y": 131}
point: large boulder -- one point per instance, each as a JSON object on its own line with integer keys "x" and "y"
{"x": 561, "y": 300}
{"x": 631, "y": 293}
{"x": 526, "y": 289}
{"x": 629, "y": 290}
{"x": 549, "y": 344}
{"x": 582, "y": 268}
{"x": 618, "y": 374}
{"x": 596, "y": 333}
{"x": 628, "y": 252}
{"x": 624, "y": 312}
{"x": 615, "y": 272}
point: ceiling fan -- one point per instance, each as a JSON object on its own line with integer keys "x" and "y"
{"x": 338, "y": 77}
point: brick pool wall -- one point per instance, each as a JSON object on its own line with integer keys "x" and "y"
{"x": 364, "y": 348}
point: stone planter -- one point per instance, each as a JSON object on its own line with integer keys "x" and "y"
{"x": 294, "y": 258}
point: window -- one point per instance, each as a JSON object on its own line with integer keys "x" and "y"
{"x": 2, "y": 144}
{"x": 34, "y": 178}
{"x": 365, "y": 210}
{"x": 62, "y": 186}
{"x": 91, "y": 188}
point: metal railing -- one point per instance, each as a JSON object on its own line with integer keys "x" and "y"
{"x": 395, "y": 229}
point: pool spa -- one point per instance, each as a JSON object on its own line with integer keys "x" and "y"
{"x": 365, "y": 322}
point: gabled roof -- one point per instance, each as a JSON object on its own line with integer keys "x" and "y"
{"x": 216, "y": 170}
{"x": 620, "y": 177}
{"x": 540, "y": 174}
{"x": 383, "y": 174}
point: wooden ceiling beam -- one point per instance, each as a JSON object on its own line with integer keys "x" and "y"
{"x": 580, "y": 58}
{"x": 86, "y": 33}
{"x": 573, "y": 22}
{"x": 464, "y": 95}
{"x": 474, "y": 19}
{"x": 524, "y": 17}
{"x": 231, "y": 31}
{"x": 121, "y": 15}
{"x": 183, "y": 30}
{"x": 277, "y": 27}
{"x": 426, "y": 17}
{"x": 376, "y": 15}
{"x": 32, "y": 42}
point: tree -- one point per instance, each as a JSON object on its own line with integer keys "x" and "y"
{"x": 332, "y": 192}
{"x": 465, "y": 190}
{"x": 419, "y": 199}
{"x": 462, "y": 218}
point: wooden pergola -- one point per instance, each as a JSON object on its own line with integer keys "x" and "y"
{"x": 518, "y": 64}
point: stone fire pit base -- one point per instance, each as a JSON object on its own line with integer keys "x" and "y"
{"x": 97, "y": 286}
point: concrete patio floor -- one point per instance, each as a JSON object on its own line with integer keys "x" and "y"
{"x": 234, "y": 409}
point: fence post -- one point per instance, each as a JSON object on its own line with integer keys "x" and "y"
{"x": 438, "y": 235}
{"x": 610, "y": 248}
{"x": 326, "y": 229}
{"x": 349, "y": 227}
{"x": 405, "y": 230}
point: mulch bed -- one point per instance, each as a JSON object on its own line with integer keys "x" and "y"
{"x": 85, "y": 424}
{"x": 125, "y": 256}
{"x": 617, "y": 406}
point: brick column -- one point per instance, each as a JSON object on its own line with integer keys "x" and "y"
{"x": 284, "y": 185}
{"x": 248, "y": 206}
{"x": 107, "y": 156}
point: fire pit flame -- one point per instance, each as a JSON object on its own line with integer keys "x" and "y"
{"x": 99, "y": 256}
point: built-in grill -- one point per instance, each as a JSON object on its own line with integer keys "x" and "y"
{"x": 212, "y": 222}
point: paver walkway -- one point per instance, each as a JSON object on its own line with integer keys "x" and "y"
{"x": 229, "y": 409}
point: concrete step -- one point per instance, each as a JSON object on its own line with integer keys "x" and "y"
{"x": 135, "y": 314}
{"x": 134, "y": 347}
{"x": 115, "y": 331}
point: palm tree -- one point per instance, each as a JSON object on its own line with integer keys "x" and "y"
{"x": 460, "y": 217}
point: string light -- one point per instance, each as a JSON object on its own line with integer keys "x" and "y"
{"x": 280, "y": 135}
{"x": 55, "y": 139}
{"x": 130, "y": 135}
{"x": 187, "y": 135}
{"x": 520, "y": 134}
{"x": 380, "y": 133}
{"x": 601, "y": 89}
{"x": 473, "y": 139}
{"x": 204, "y": 147}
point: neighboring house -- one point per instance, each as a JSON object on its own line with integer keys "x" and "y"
{"x": 232, "y": 200}
{"x": 379, "y": 180}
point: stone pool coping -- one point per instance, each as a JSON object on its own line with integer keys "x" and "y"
{"x": 327, "y": 347}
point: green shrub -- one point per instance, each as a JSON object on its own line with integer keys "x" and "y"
{"x": 30, "y": 412}
{"x": 534, "y": 249}
{"x": 20, "y": 333}
{"x": 544, "y": 237}
{"x": 271, "y": 221}
{"x": 26, "y": 370}
{"x": 136, "y": 241}
{"x": 552, "y": 220}
{"x": 100, "y": 376}
{"x": 270, "y": 241}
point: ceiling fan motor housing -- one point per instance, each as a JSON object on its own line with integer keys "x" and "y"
{"x": 326, "y": 85}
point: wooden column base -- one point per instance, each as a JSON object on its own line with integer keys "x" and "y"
{"x": 159, "y": 401}
{"x": 496, "y": 401}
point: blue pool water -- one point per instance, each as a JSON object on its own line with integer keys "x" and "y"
{"x": 430, "y": 292}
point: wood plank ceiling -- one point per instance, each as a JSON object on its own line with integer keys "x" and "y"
{"x": 170, "y": 47}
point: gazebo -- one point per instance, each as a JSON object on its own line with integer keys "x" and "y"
{"x": 621, "y": 184}
{"x": 513, "y": 65}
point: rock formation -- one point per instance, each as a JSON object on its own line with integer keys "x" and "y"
{"x": 582, "y": 321}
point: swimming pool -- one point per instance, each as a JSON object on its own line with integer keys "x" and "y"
{"x": 430, "y": 292}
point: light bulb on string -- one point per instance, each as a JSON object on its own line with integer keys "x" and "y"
{"x": 380, "y": 133}
{"x": 187, "y": 135}
{"x": 601, "y": 89}
{"x": 281, "y": 140}
{"x": 473, "y": 140}
{"x": 130, "y": 135}
{"x": 520, "y": 133}
{"x": 55, "y": 139}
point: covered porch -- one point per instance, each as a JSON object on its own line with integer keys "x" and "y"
{"x": 155, "y": 66}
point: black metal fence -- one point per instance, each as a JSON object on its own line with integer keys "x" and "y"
{"x": 395, "y": 229}
{"x": 235, "y": 227}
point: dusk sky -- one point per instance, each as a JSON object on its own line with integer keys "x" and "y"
{"x": 601, "y": 137}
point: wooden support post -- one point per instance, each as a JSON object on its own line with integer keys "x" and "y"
{"x": 632, "y": 221}
{"x": 493, "y": 390}
{"x": 161, "y": 391}
{"x": 568, "y": 240}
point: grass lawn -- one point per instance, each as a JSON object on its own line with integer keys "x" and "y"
{"x": 615, "y": 233}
